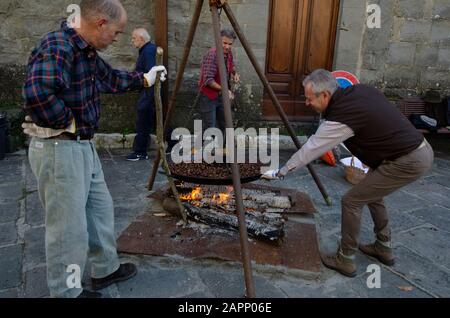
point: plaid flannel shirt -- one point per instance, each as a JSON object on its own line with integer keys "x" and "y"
{"x": 65, "y": 76}
{"x": 210, "y": 72}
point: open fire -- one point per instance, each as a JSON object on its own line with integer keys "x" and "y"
{"x": 222, "y": 198}
{"x": 197, "y": 196}
{"x": 215, "y": 206}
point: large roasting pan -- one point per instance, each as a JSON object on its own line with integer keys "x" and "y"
{"x": 210, "y": 181}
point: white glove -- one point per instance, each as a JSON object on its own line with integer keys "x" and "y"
{"x": 272, "y": 175}
{"x": 150, "y": 77}
{"x": 33, "y": 130}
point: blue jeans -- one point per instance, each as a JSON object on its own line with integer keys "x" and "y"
{"x": 79, "y": 211}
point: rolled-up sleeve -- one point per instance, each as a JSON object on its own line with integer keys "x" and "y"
{"x": 329, "y": 135}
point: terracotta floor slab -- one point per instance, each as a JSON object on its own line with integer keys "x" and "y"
{"x": 159, "y": 236}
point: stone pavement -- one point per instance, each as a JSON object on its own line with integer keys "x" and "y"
{"x": 420, "y": 216}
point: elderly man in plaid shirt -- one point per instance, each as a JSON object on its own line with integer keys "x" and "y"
{"x": 65, "y": 77}
{"x": 211, "y": 106}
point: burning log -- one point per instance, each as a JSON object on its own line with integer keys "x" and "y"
{"x": 262, "y": 226}
{"x": 269, "y": 199}
{"x": 280, "y": 203}
{"x": 270, "y": 230}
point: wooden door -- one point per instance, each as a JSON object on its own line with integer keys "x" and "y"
{"x": 301, "y": 38}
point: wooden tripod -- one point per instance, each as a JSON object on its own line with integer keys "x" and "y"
{"x": 215, "y": 5}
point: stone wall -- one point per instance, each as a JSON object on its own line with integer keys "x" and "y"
{"x": 409, "y": 54}
{"x": 22, "y": 24}
{"x": 252, "y": 16}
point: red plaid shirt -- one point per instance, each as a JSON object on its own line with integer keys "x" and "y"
{"x": 65, "y": 77}
{"x": 210, "y": 72}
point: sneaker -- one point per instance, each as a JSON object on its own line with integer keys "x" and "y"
{"x": 125, "y": 272}
{"x": 340, "y": 263}
{"x": 89, "y": 294}
{"x": 379, "y": 251}
{"x": 136, "y": 157}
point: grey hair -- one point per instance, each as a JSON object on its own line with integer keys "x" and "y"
{"x": 112, "y": 9}
{"x": 321, "y": 81}
{"x": 143, "y": 33}
{"x": 228, "y": 33}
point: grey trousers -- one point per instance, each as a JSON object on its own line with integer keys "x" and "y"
{"x": 389, "y": 177}
{"x": 79, "y": 212}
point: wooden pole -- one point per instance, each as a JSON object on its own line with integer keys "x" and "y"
{"x": 180, "y": 73}
{"x": 160, "y": 136}
{"x": 162, "y": 40}
{"x": 245, "y": 250}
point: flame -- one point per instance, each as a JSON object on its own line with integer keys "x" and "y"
{"x": 195, "y": 195}
{"x": 221, "y": 198}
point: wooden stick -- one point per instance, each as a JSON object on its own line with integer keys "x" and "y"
{"x": 178, "y": 82}
{"x": 160, "y": 136}
{"x": 245, "y": 249}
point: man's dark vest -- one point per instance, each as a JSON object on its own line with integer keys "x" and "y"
{"x": 381, "y": 130}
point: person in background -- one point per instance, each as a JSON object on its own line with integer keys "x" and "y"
{"x": 211, "y": 105}
{"x": 145, "y": 107}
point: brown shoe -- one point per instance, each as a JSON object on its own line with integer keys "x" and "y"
{"x": 340, "y": 263}
{"x": 377, "y": 250}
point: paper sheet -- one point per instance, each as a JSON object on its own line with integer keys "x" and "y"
{"x": 357, "y": 163}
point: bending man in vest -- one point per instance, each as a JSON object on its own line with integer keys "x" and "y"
{"x": 383, "y": 139}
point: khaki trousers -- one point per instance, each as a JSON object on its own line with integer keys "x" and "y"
{"x": 389, "y": 177}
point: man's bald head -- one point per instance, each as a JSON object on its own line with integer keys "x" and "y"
{"x": 93, "y": 9}
{"x": 140, "y": 37}
{"x": 143, "y": 33}
{"x": 102, "y": 21}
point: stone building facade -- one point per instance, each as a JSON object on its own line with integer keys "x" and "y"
{"x": 409, "y": 54}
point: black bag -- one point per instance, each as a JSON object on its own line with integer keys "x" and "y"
{"x": 3, "y": 135}
{"x": 419, "y": 122}
{"x": 435, "y": 108}
{"x": 448, "y": 111}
